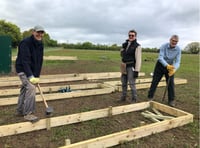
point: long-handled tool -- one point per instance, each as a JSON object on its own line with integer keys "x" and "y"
{"x": 167, "y": 85}
{"x": 49, "y": 110}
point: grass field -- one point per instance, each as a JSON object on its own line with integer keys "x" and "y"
{"x": 187, "y": 96}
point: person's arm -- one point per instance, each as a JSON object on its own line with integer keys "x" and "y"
{"x": 26, "y": 59}
{"x": 138, "y": 58}
{"x": 162, "y": 55}
{"x": 177, "y": 60}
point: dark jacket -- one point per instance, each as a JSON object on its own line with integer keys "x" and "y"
{"x": 30, "y": 57}
{"x": 128, "y": 55}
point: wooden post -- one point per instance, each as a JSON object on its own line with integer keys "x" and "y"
{"x": 110, "y": 111}
{"x": 48, "y": 123}
{"x": 67, "y": 141}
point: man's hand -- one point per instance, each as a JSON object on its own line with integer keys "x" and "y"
{"x": 34, "y": 80}
{"x": 170, "y": 67}
{"x": 135, "y": 74}
{"x": 171, "y": 72}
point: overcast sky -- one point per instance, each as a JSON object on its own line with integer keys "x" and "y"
{"x": 108, "y": 21}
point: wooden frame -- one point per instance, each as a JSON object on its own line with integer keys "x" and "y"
{"x": 105, "y": 88}
{"x": 181, "y": 119}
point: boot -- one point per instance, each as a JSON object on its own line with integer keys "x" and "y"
{"x": 171, "y": 103}
{"x": 133, "y": 100}
{"x": 122, "y": 99}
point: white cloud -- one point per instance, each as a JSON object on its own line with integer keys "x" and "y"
{"x": 107, "y": 21}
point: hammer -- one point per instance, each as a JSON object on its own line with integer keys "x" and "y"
{"x": 49, "y": 110}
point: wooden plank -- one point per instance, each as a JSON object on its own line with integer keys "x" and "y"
{"x": 117, "y": 84}
{"x": 131, "y": 134}
{"x": 55, "y": 80}
{"x": 14, "y": 78}
{"x": 85, "y": 75}
{"x": 55, "y": 58}
{"x": 81, "y": 93}
{"x": 60, "y": 58}
{"x": 167, "y": 109}
{"x": 8, "y": 92}
{"x": 58, "y": 96}
{"x": 14, "y": 81}
{"x": 18, "y": 128}
{"x": 146, "y": 80}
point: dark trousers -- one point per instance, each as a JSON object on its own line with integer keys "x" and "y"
{"x": 159, "y": 71}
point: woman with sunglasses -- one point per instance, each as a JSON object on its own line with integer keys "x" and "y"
{"x": 131, "y": 54}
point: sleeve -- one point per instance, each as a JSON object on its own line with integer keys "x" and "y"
{"x": 177, "y": 60}
{"x": 26, "y": 58}
{"x": 138, "y": 58}
{"x": 162, "y": 55}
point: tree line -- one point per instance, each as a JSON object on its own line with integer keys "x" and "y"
{"x": 12, "y": 30}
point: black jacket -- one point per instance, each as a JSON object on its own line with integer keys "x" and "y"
{"x": 128, "y": 55}
{"x": 30, "y": 57}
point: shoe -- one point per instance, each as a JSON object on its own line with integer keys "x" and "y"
{"x": 133, "y": 101}
{"x": 171, "y": 103}
{"x": 150, "y": 98}
{"x": 19, "y": 114}
{"x": 122, "y": 99}
{"x": 32, "y": 118}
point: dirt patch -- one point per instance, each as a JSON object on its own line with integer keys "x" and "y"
{"x": 185, "y": 136}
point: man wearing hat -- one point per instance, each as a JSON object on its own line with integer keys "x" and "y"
{"x": 28, "y": 67}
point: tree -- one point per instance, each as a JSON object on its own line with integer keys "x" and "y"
{"x": 9, "y": 29}
{"x": 193, "y": 47}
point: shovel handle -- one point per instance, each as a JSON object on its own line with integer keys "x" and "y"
{"x": 41, "y": 93}
{"x": 163, "y": 98}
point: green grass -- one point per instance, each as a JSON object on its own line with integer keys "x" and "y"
{"x": 85, "y": 54}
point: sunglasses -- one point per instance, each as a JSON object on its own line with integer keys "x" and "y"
{"x": 40, "y": 32}
{"x": 131, "y": 35}
{"x": 174, "y": 41}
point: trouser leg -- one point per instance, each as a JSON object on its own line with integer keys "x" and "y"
{"x": 159, "y": 71}
{"x": 124, "y": 86}
{"x": 131, "y": 81}
{"x": 26, "y": 100}
{"x": 171, "y": 92}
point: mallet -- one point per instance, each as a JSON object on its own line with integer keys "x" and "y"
{"x": 49, "y": 110}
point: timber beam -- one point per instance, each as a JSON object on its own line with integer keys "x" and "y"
{"x": 106, "y": 88}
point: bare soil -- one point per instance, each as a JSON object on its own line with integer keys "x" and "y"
{"x": 181, "y": 137}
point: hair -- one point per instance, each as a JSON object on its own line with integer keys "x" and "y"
{"x": 175, "y": 36}
{"x": 133, "y": 32}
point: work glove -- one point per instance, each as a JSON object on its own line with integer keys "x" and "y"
{"x": 170, "y": 67}
{"x": 171, "y": 72}
{"x": 135, "y": 74}
{"x": 34, "y": 80}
